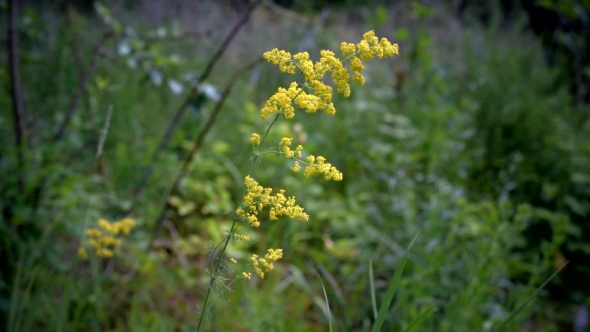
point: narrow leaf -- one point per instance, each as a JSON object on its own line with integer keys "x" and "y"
{"x": 530, "y": 298}
{"x": 372, "y": 285}
{"x": 420, "y": 319}
{"x": 327, "y": 303}
{"x": 391, "y": 290}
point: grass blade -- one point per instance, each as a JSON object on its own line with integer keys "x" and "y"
{"x": 372, "y": 285}
{"x": 327, "y": 303}
{"x": 530, "y": 298}
{"x": 391, "y": 290}
{"x": 420, "y": 319}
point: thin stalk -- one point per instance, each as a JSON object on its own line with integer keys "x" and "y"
{"x": 232, "y": 229}
{"x": 235, "y": 224}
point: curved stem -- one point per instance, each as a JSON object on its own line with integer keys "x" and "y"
{"x": 229, "y": 236}
{"x": 235, "y": 223}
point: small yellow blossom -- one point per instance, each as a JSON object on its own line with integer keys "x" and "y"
{"x": 282, "y": 59}
{"x": 319, "y": 165}
{"x": 233, "y": 261}
{"x": 262, "y": 265}
{"x": 106, "y": 240}
{"x": 305, "y": 65}
{"x": 246, "y": 275}
{"x": 320, "y": 97}
{"x": 285, "y": 145}
{"x": 257, "y": 198}
{"x": 124, "y": 226}
{"x": 105, "y": 224}
{"x": 104, "y": 253}
{"x": 255, "y": 139}
{"x": 280, "y": 102}
{"x": 371, "y": 47}
{"x": 93, "y": 232}
{"x": 82, "y": 253}
{"x": 296, "y": 167}
{"x": 109, "y": 241}
{"x": 241, "y": 237}
{"x": 339, "y": 73}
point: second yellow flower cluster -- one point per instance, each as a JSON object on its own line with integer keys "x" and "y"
{"x": 104, "y": 238}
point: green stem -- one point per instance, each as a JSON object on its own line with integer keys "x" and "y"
{"x": 229, "y": 236}
{"x": 235, "y": 224}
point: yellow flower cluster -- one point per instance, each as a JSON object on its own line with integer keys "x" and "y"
{"x": 257, "y": 198}
{"x": 282, "y": 59}
{"x": 314, "y": 166}
{"x": 255, "y": 139}
{"x": 285, "y": 145}
{"x": 319, "y": 165}
{"x": 262, "y": 265}
{"x": 321, "y": 94}
{"x": 240, "y": 237}
{"x": 371, "y": 47}
{"x": 312, "y": 95}
{"x": 104, "y": 238}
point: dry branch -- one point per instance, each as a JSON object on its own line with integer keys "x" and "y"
{"x": 16, "y": 91}
{"x": 189, "y": 98}
{"x": 199, "y": 142}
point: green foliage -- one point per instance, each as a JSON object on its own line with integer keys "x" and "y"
{"x": 482, "y": 154}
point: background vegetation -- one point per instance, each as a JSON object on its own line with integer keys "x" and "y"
{"x": 476, "y": 138}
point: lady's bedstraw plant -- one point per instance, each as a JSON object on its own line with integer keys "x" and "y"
{"x": 311, "y": 95}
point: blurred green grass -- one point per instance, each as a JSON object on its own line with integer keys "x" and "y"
{"x": 470, "y": 140}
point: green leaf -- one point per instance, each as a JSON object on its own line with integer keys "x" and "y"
{"x": 420, "y": 319}
{"x": 530, "y": 298}
{"x": 372, "y": 285}
{"x": 391, "y": 290}
{"x": 327, "y": 303}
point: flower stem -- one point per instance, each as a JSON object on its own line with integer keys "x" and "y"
{"x": 229, "y": 236}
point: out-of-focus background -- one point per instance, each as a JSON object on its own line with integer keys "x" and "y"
{"x": 476, "y": 138}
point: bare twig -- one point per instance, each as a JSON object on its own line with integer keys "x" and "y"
{"x": 104, "y": 132}
{"x": 199, "y": 142}
{"x": 285, "y": 12}
{"x": 60, "y": 130}
{"x": 189, "y": 98}
{"x": 16, "y": 91}
{"x": 67, "y": 13}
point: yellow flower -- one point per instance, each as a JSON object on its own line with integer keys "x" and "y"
{"x": 282, "y": 59}
{"x": 319, "y": 165}
{"x": 124, "y": 226}
{"x": 103, "y": 252}
{"x": 103, "y": 242}
{"x": 339, "y": 73}
{"x": 255, "y": 139}
{"x": 241, "y": 237}
{"x": 257, "y": 198}
{"x": 274, "y": 254}
{"x": 106, "y": 225}
{"x": 280, "y": 102}
{"x": 285, "y": 145}
{"x": 320, "y": 97}
{"x": 305, "y": 65}
{"x": 109, "y": 241}
{"x": 93, "y": 232}
{"x": 371, "y": 47}
{"x": 82, "y": 253}
{"x": 296, "y": 167}
{"x": 233, "y": 261}
{"x": 262, "y": 265}
{"x": 246, "y": 276}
